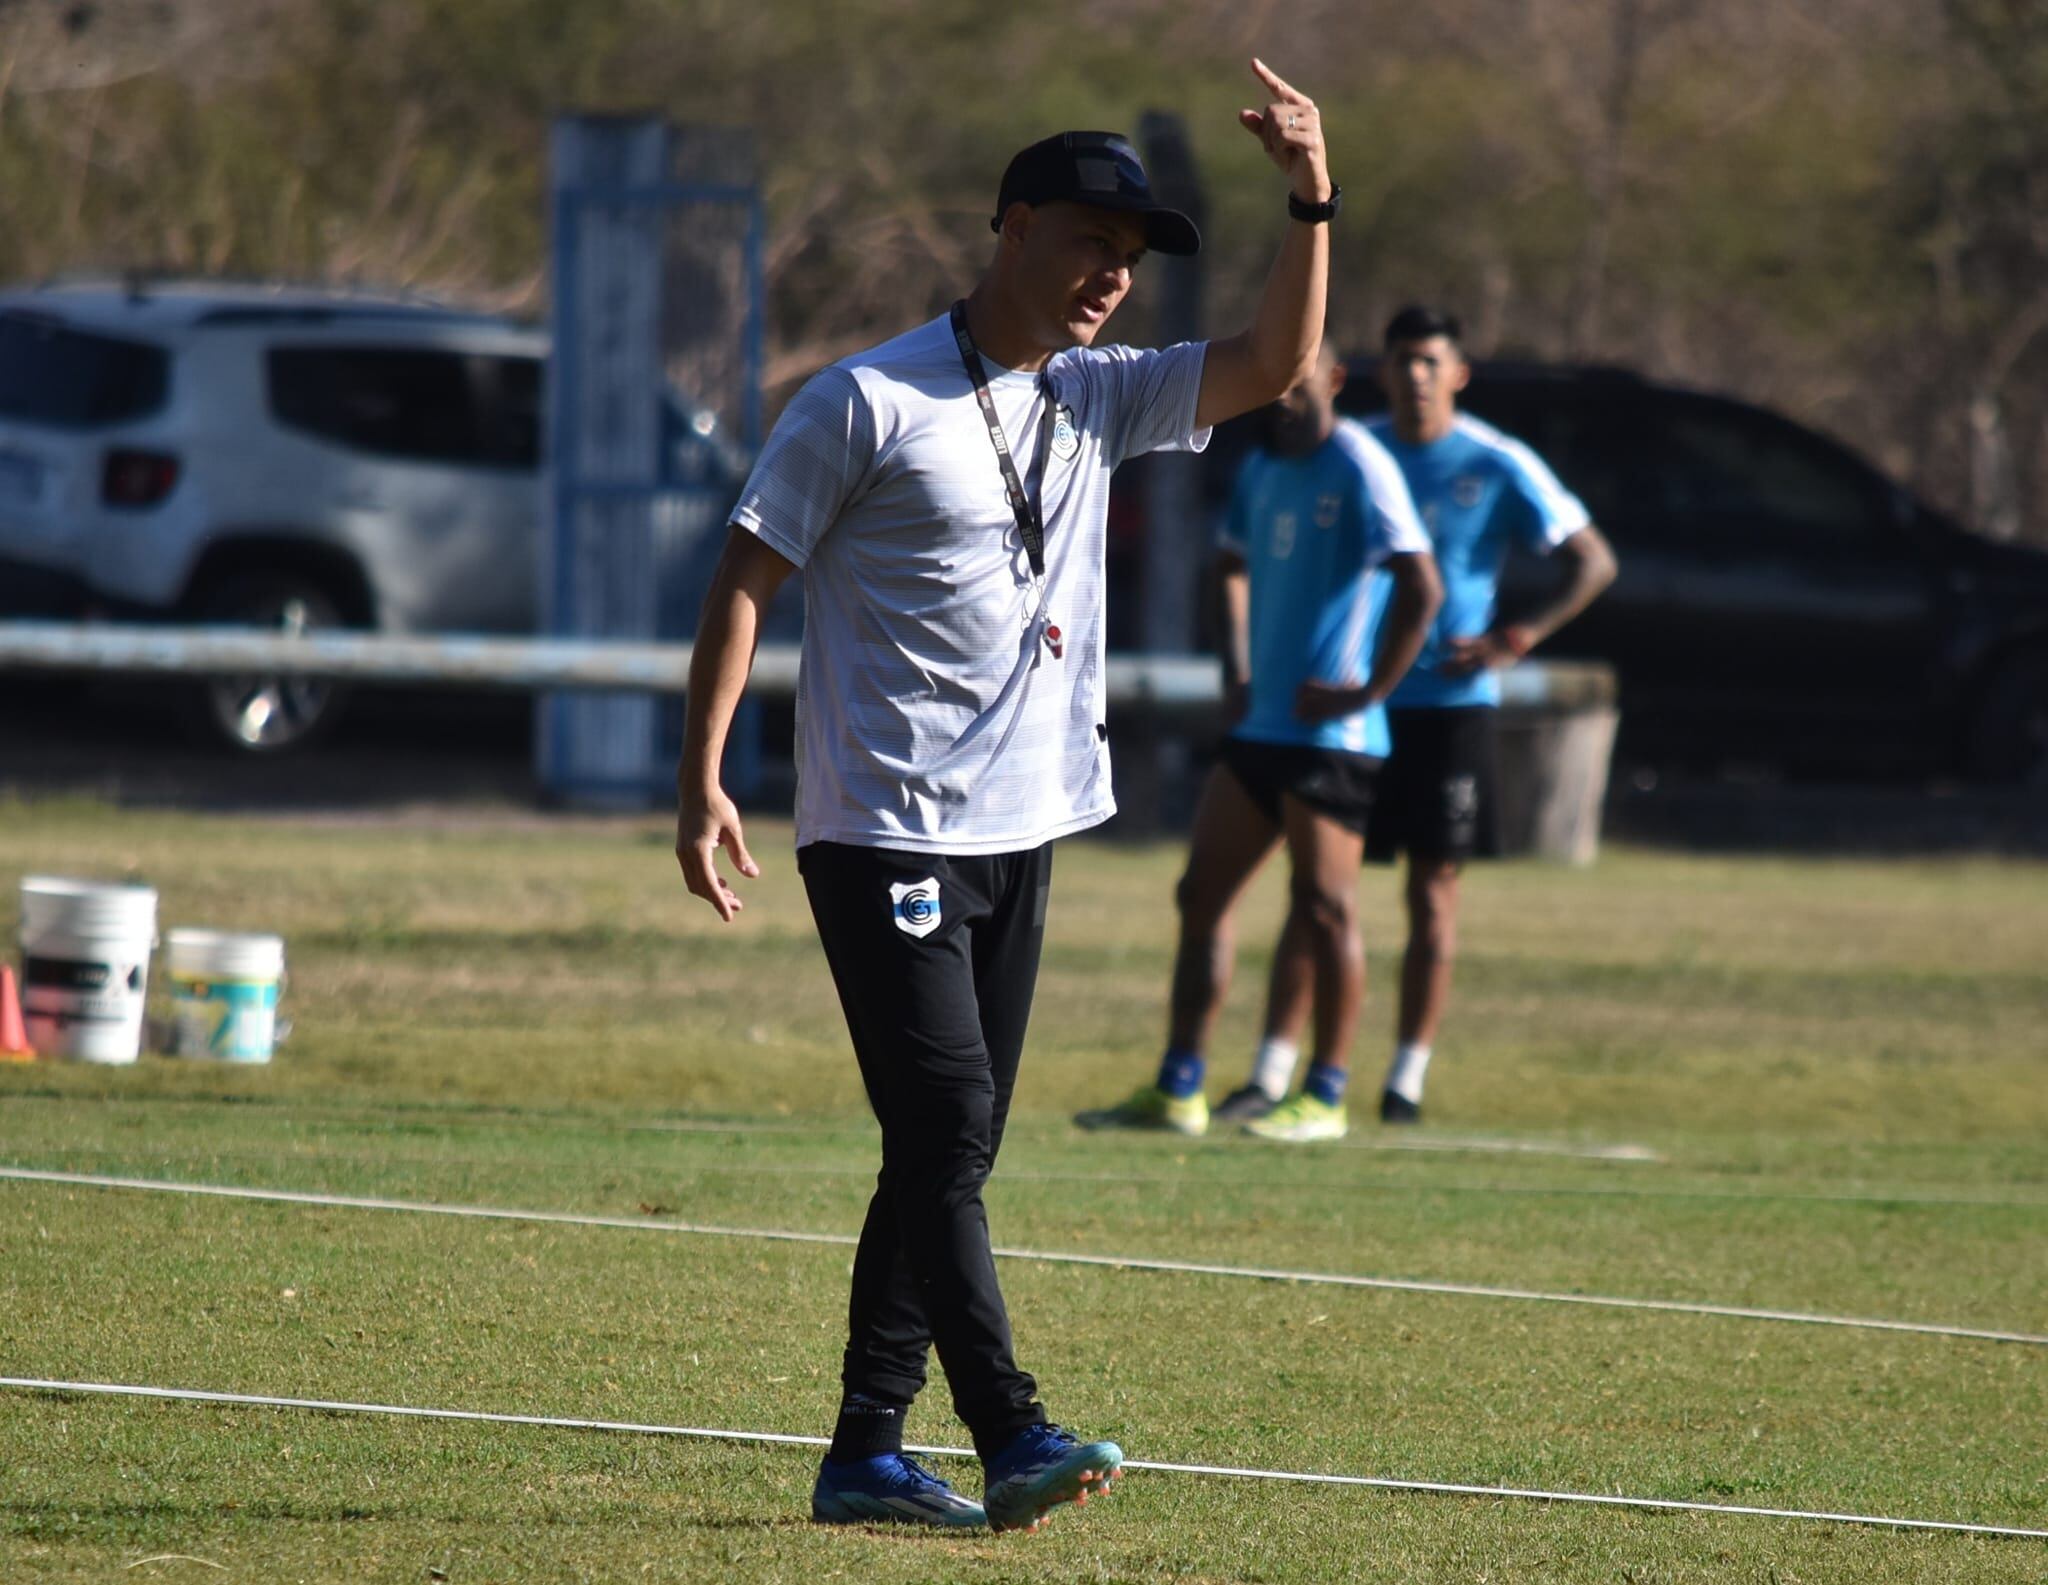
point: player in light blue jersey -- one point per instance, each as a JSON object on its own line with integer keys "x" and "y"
{"x": 1329, "y": 588}
{"x": 1480, "y": 493}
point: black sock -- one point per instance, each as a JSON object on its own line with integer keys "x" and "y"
{"x": 867, "y": 1427}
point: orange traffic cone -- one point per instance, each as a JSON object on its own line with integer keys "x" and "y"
{"x": 14, "y": 1046}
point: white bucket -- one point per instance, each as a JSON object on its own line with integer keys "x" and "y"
{"x": 224, "y": 991}
{"x": 85, "y": 966}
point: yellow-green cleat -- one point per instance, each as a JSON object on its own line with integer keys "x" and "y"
{"x": 1301, "y": 1120}
{"x": 1151, "y": 1107}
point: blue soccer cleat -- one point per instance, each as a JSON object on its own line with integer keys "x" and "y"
{"x": 889, "y": 1489}
{"x": 1042, "y": 1467}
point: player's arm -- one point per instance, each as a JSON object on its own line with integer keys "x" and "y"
{"x": 1418, "y": 592}
{"x": 1257, "y": 365}
{"x": 747, "y": 577}
{"x": 1418, "y": 596}
{"x": 1591, "y": 568}
{"x": 1234, "y": 594}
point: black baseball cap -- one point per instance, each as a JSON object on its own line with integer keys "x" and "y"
{"x": 1098, "y": 168}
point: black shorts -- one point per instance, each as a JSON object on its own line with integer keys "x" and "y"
{"x": 1437, "y": 795}
{"x": 1330, "y": 781}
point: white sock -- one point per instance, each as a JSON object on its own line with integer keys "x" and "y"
{"x": 1273, "y": 1067}
{"x": 1404, "y": 1077}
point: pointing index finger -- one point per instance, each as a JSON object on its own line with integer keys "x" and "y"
{"x": 1274, "y": 85}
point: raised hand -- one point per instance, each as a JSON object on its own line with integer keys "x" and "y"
{"x": 1291, "y": 128}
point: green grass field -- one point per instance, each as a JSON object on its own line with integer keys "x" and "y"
{"x": 1840, "y": 1070}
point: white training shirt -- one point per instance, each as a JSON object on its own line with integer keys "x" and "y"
{"x": 931, "y": 715}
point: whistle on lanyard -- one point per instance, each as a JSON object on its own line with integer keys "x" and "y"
{"x": 1055, "y": 640}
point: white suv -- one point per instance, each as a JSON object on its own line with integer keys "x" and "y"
{"x": 279, "y": 457}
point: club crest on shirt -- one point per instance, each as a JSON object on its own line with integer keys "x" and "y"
{"x": 1467, "y": 489}
{"x": 1066, "y": 439}
{"x": 916, "y": 905}
{"x": 1328, "y": 509}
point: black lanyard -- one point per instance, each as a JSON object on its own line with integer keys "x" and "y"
{"x": 1030, "y": 524}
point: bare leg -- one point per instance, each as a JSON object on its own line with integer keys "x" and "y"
{"x": 1291, "y": 988}
{"x": 1231, "y": 839}
{"x": 1323, "y": 912}
{"x": 1432, "y": 944}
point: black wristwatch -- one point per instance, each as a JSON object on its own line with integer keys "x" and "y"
{"x": 1316, "y": 214}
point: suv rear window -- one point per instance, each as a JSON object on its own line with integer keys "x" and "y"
{"x": 424, "y": 406}
{"x": 50, "y": 374}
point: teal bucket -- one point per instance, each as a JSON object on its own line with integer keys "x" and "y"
{"x": 224, "y": 993}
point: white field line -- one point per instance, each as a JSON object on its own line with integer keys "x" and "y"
{"x": 286, "y": 1109}
{"x": 1432, "y": 1142}
{"x": 356, "y": 1202}
{"x": 1480, "y": 1145}
{"x": 1298, "y": 1477}
{"x": 1963, "y": 1199}
{"x": 1427, "y": 1143}
{"x": 1181, "y": 1183}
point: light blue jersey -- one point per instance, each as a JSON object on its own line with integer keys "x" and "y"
{"x": 1477, "y": 491}
{"x": 1313, "y": 530}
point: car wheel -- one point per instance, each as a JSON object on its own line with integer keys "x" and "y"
{"x": 264, "y": 716}
{"x": 2009, "y": 735}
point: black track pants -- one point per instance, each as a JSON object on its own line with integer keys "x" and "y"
{"x": 935, "y": 960}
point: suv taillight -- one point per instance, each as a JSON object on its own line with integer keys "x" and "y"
{"x": 137, "y": 478}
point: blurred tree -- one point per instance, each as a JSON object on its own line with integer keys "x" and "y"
{"x": 1982, "y": 192}
{"x": 1839, "y": 207}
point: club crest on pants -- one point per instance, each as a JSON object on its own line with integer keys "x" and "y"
{"x": 916, "y": 905}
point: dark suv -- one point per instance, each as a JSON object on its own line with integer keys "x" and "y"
{"x": 1780, "y": 602}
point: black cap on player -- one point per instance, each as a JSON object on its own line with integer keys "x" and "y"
{"x": 1100, "y": 169}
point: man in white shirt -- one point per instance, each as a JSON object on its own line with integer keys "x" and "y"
{"x": 946, "y": 495}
